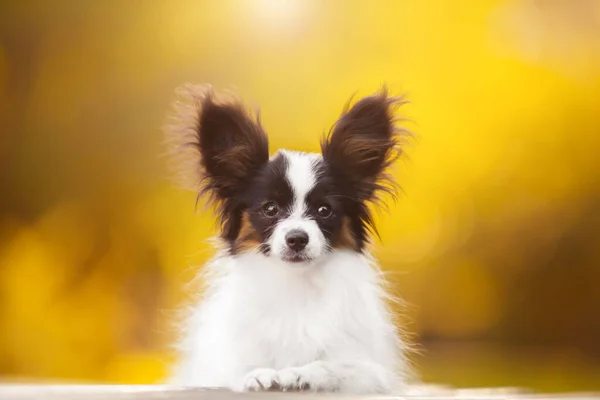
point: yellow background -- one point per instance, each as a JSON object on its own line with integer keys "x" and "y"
{"x": 493, "y": 244}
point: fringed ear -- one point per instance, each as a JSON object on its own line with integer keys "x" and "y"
{"x": 216, "y": 146}
{"x": 363, "y": 143}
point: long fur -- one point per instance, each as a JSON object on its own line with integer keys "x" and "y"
{"x": 274, "y": 317}
{"x": 236, "y": 331}
{"x": 215, "y": 145}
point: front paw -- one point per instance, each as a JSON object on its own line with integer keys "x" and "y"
{"x": 292, "y": 379}
{"x": 312, "y": 377}
{"x": 260, "y": 379}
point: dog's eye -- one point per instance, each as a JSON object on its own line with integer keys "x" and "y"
{"x": 324, "y": 211}
{"x": 270, "y": 209}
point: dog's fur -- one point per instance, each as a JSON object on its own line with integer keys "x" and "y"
{"x": 293, "y": 300}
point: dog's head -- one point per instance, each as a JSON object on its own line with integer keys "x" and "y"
{"x": 293, "y": 206}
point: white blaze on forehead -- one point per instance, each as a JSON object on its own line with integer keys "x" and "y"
{"x": 302, "y": 177}
{"x": 301, "y": 174}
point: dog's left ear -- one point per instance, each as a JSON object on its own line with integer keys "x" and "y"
{"x": 216, "y": 144}
{"x": 363, "y": 143}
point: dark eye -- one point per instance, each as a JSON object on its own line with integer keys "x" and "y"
{"x": 324, "y": 211}
{"x": 270, "y": 209}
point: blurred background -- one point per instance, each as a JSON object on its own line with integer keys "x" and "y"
{"x": 494, "y": 244}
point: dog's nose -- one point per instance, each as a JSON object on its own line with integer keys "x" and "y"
{"x": 296, "y": 239}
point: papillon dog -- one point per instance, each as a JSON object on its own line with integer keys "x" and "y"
{"x": 293, "y": 301}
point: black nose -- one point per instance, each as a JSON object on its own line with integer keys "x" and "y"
{"x": 296, "y": 239}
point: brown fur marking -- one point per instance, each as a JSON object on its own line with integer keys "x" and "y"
{"x": 248, "y": 238}
{"x": 346, "y": 239}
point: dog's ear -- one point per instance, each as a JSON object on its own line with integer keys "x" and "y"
{"x": 216, "y": 143}
{"x": 363, "y": 143}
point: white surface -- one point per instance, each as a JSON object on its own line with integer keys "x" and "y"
{"x": 151, "y": 392}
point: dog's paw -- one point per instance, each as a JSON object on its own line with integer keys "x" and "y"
{"x": 291, "y": 379}
{"x": 260, "y": 379}
{"x": 311, "y": 377}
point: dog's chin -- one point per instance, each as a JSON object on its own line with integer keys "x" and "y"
{"x": 297, "y": 259}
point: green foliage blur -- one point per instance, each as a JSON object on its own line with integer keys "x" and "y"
{"x": 494, "y": 243}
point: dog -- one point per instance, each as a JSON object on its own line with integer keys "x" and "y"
{"x": 293, "y": 299}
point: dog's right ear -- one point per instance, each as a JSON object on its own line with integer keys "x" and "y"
{"x": 216, "y": 145}
{"x": 363, "y": 143}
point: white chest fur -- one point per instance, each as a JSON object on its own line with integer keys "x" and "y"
{"x": 259, "y": 314}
